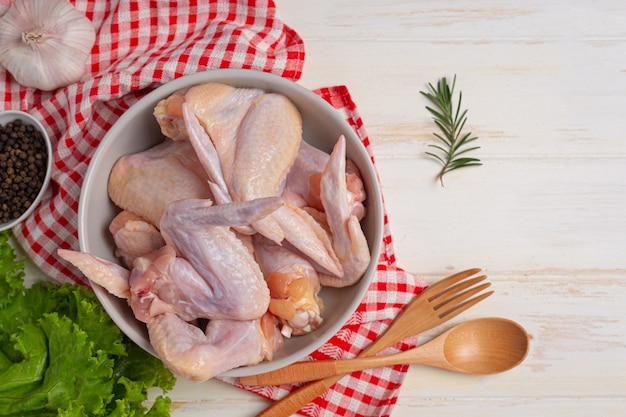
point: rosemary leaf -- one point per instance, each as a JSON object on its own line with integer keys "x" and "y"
{"x": 450, "y": 120}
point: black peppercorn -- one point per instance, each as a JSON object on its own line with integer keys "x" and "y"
{"x": 23, "y": 163}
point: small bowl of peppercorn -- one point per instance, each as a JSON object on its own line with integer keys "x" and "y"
{"x": 25, "y": 166}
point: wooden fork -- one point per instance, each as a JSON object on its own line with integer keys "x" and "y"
{"x": 434, "y": 306}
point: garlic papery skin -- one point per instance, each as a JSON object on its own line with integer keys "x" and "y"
{"x": 45, "y": 43}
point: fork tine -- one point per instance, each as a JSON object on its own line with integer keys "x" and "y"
{"x": 450, "y": 281}
{"x": 451, "y": 292}
{"x": 458, "y": 298}
{"x": 458, "y": 309}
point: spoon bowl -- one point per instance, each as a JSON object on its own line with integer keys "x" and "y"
{"x": 479, "y": 347}
{"x": 484, "y": 346}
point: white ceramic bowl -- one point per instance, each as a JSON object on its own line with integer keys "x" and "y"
{"x": 8, "y": 116}
{"x": 137, "y": 130}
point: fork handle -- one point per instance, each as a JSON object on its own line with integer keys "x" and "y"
{"x": 297, "y": 399}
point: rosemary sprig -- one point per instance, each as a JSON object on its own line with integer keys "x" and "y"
{"x": 451, "y": 121}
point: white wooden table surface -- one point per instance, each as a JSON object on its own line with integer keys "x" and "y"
{"x": 545, "y": 85}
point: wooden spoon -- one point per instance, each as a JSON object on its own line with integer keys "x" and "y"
{"x": 480, "y": 347}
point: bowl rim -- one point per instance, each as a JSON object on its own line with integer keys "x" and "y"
{"x": 7, "y": 116}
{"x": 267, "y": 82}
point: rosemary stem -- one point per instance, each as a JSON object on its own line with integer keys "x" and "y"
{"x": 450, "y": 120}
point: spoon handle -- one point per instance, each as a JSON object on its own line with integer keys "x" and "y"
{"x": 314, "y": 370}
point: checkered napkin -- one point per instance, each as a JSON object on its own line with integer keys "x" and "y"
{"x": 139, "y": 46}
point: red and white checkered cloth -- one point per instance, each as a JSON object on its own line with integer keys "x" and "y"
{"x": 141, "y": 45}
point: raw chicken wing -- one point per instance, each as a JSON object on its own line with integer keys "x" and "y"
{"x": 305, "y": 175}
{"x": 163, "y": 282}
{"x": 146, "y": 182}
{"x": 294, "y": 286}
{"x": 108, "y": 275}
{"x": 225, "y": 344}
{"x": 134, "y": 237}
{"x": 201, "y": 233}
{"x": 170, "y": 117}
{"x": 221, "y": 109}
{"x": 349, "y": 242}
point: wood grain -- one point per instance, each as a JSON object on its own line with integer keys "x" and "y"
{"x": 545, "y": 85}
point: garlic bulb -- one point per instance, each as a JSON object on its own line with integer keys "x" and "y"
{"x": 45, "y": 43}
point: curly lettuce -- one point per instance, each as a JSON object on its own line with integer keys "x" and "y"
{"x": 62, "y": 355}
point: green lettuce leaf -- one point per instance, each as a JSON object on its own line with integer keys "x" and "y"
{"x": 32, "y": 345}
{"x": 62, "y": 355}
{"x": 11, "y": 270}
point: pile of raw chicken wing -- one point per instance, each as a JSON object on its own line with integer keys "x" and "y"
{"x": 229, "y": 228}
